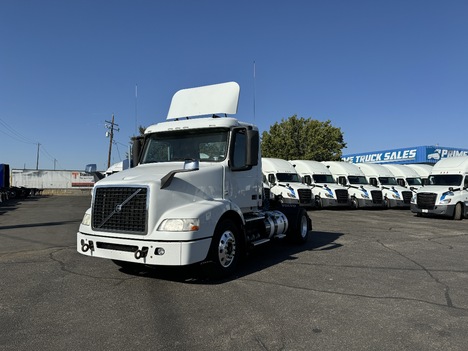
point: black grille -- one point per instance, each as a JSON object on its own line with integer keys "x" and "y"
{"x": 305, "y": 196}
{"x": 341, "y": 196}
{"x": 377, "y": 196}
{"x": 120, "y": 209}
{"x": 407, "y": 195}
{"x": 426, "y": 200}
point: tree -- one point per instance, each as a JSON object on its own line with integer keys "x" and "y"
{"x": 303, "y": 139}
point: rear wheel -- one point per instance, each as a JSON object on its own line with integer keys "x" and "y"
{"x": 457, "y": 215}
{"x": 299, "y": 230}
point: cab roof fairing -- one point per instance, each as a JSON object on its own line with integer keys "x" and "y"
{"x": 197, "y": 123}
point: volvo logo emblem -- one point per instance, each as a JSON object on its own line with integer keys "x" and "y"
{"x": 118, "y": 208}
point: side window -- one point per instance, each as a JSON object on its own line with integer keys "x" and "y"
{"x": 240, "y": 152}
{"x": 401, "y": 182}
{"x": 373, "y": 181}
{"x": 239, "y": 155}
{"x": 465, "y": 184}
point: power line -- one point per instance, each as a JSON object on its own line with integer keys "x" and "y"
{"x": 12, "y": 133}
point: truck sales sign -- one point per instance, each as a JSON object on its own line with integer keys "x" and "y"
{"x": 419, "y": 154}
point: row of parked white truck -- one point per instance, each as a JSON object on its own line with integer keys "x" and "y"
{"x": 426, "y": 189}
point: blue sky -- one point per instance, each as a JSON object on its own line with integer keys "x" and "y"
{"x": 390, "y": 74}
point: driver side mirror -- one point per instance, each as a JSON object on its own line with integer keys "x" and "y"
{"x": 271, "y": 179}
{"x": 136, "y": 150}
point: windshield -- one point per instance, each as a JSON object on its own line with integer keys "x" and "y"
{"x": 388, "y": 181}
{"x": 445, "y": 179}
{"x": 204, "y": 145}
{"x": 414, "y": 181}
{"x": 323, "y": 178}
{"x": 357, "y": 180}
{"x": 288, "y": 177}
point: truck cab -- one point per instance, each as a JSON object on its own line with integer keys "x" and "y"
{"x": 361, "y": 193}
{"x": 285, "y": 183}
{"x": 424, "y": 171}
{"x": 325, "y": 191}
{"x": 394, "y": 194}
{"x": 405, "y": 176}
{"x": 446, "y": 193}
{"x": 194, "y": 194}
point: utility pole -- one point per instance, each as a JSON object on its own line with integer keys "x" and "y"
{"x": 111, "y": 126}
{"x": 37, "y": 158}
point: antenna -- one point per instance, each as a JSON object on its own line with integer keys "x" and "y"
{"x": 254, "y": 92}
{"x": 136, "y": 110}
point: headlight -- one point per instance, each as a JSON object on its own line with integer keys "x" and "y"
{"x": 86, "y": 219}
{"x": 329, "y": 195}
{"x": 180, "y": 225}
{"x": 365, "y": 195}
{"x": 396, "y": 196}
{"x": 290, "y": 194}
{"x": 414, "y": 199}
{"x": 444, "y": 199}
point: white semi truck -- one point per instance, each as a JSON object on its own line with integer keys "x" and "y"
{"x": 394, "y": 194}
{"x": 285, "y": 183}
{"x": 446, "y": 193}
{"x": 325, "y": 191}
{"x": 361, "y": 193}
{"x": 405, "y": 176}
{"x": 424, "y": 171}
{"x": 194, "y": 195}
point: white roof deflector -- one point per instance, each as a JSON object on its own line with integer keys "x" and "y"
{"x": 206, "y": 100}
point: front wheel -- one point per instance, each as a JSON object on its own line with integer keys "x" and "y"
{"x": 457, "y": 215}
{"x": 225, "y": 248}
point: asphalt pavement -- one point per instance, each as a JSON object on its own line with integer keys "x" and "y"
{"x": 366, "y": 280}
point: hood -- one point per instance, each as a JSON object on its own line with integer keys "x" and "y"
{"x": 437, "y": 188}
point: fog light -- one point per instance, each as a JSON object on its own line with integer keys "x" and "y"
{"x": 159, "y": 251}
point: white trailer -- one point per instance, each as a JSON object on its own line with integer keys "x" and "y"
{"x": 446, "y": 193}
{"x": 194, "y": 195}
{"x": 326, "y": 192}
{"x": 394, "y": 195}
{"x": 405, "y": 176}
{"x": 360, "y": 192}
{"x": 285, "y": 183}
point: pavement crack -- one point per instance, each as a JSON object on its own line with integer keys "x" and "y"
{"x": 373, "y": 297}
{"x": 63, "y": 268}
{"x": 448, "y": 299}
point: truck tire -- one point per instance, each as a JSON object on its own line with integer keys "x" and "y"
{"x": 299, "y": 229}
{"x": 225, "y": 249}
{"x": 457, "y": 215}
{"x": 318, "y": 202}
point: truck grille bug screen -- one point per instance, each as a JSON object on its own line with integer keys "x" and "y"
{"x": 120, "y": 209}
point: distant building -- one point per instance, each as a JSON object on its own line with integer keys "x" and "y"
{"x": 417, "y": 154}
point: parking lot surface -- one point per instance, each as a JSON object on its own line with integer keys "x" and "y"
{"x": 365, "y": 280}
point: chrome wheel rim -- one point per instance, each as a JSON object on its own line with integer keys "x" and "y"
{"x": 227, "y": 249}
